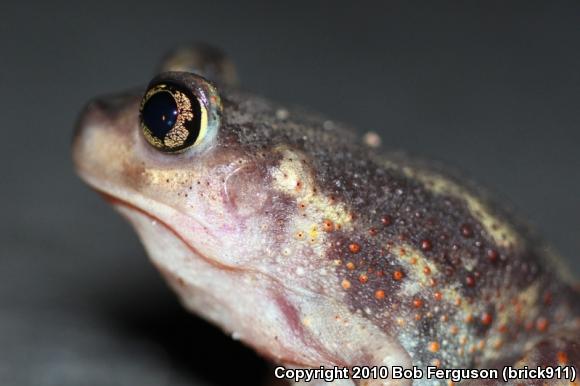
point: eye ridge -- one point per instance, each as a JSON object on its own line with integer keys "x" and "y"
{"x": 190, "y": 118}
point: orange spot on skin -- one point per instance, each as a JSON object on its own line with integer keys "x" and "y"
{"x": 350, "y": 266}
{"x": 486, "y": 319}
{"x": 327, "y": 226}
{"x": 437, "y": 295}
{"x": 379, "y": 294}
{"x": 562, "y": 358}
{"x": 458, "y": 301}
{"x": 363, "y": 278}
{"x": 354, "y": 247}
{"x": 433, "y": 346}
{"x": 454, "y": 330}
{"x": 398, "y": 275}
{"x": 417, "y": 303}
{"x": 542, "y": 324}
{"x": 413, "y": 261}
{"x": 432, "y": 282}
{"x": 427, "y": 270}
{"x": 503, "y": 328}
{"x": 345, "y": 284}
{"x": 469, "y": 318}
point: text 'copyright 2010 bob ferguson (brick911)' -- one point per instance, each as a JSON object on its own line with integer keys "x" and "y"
{"x": 331, "y": 374}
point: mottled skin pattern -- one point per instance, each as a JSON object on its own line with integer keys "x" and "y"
{"x": 293, "y": 235}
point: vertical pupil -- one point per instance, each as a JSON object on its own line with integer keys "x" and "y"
{"x": 159, "y": 113}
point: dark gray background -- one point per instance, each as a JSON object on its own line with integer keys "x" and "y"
{"x": 492, "y": 87}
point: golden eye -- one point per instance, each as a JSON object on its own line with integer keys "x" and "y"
{"x": 173, "y": 119}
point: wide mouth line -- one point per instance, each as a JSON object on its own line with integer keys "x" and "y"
{"x": 117, "y": 201}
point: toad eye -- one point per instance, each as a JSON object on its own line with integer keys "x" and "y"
{"x": 173, "y": 118}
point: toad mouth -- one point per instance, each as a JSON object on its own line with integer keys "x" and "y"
{"x": 278, "y": 289}
{"x": 119, "y": 202}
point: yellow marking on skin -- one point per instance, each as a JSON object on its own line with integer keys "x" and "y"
{"x": 160, "y": 176}
{"x": 295, "y": 178}
{"x": 528, "y": 299}
{"x": 313, "y": 232}
{"x": 417, "y": 282}
{"x": 501, "y": 233}
{"x": 414, "y": 262}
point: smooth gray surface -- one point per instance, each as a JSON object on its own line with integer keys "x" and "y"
{"x": 492, "y": 89}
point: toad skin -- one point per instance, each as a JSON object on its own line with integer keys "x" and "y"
{"x": 296, "y": 237}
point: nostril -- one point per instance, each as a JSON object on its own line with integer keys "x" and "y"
{"x": 103, "y": 132}
{"x": 113, "y": 104}
{"x": 104, "y": 109}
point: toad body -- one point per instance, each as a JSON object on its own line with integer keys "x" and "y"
{"x": 291, "y": 234}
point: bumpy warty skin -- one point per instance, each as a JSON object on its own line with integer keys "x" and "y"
{"x": 294, "y": 236}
